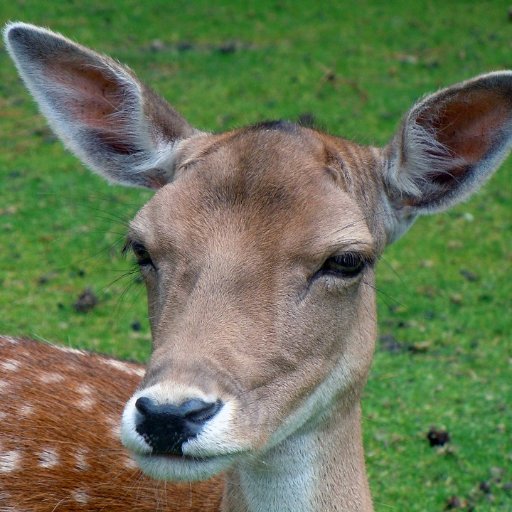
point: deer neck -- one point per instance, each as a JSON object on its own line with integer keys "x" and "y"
{"x": 318, "y": 469}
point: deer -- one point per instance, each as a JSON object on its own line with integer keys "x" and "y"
{"x": 258, "y": 250}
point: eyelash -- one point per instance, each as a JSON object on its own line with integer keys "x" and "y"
{"x": 346, "y": 265}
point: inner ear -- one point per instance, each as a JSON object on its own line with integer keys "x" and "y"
{"x": 93, "y": 97}
{"x": 467, "y": 128}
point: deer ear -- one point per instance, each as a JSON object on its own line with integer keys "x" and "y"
{"x": 98, "y": 108}
{"x": 447, "y": 146}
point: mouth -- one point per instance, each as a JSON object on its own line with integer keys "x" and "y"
{"x": 183, "y": 467}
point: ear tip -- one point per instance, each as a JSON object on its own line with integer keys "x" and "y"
{"x": 15, "y": 30}
{"x": 20, "y": 34}
{"x": 499, "y": 73}
{"x": 499, "y": 78}
{"x": 11, "y": 32}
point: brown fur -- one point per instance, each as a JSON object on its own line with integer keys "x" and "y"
{"x": 44, "y": 412}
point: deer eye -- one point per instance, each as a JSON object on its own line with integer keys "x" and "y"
{"x": 141, "y": 254}
{"x": 349, "y": 264}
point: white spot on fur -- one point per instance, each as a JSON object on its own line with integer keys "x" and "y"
{"x": 81, "y": 459}
{"x": 80, "y": 496}
{"x": 10, "y": 365}
{"x": 69, "y": 350}
{"x": 3, "y": 385}
{"x": 10, "y": 339}
{"x": 48, "y": 458}
{"x": 9, "y": 461}
{"x": 26, "y": 410}
{"x": 139, "y": 372}
{"x": 130, "y": 463}
{"x": 85, "y": 390}
{"x": 115, "y": 427}
{"x": 116, "y": 431}
{"x": 87, "y": 401}
{"x": 4, "y": 496}
{"x": 124, "y": 367}
{"x": 51, "y": 377}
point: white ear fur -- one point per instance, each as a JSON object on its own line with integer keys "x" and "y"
{"x": 117, "y": 126}
{"x": 448, "y": 145}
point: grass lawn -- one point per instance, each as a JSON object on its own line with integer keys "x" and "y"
{"x": 445, "y": 353}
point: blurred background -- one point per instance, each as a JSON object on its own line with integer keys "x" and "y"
{"x": 438, "y": 419}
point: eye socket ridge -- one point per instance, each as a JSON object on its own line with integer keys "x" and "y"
{"x": 345, "y": 265}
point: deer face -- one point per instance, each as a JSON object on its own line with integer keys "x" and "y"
{"x": 259, "y": 296}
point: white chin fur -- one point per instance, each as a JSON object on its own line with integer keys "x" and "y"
{"x": 161, "y": 467}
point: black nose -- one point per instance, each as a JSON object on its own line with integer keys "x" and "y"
{"x": 166, "y": 427}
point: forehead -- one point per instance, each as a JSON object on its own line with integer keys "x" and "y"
{"x": 269, "y": 180}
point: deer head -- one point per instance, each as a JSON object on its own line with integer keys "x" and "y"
{"x": 258, "y": 250}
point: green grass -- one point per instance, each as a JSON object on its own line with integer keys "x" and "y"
{"x": 357, "y": 66}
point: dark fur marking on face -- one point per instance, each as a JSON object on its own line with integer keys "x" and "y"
{"x": 332, "y": 173}
{"x": 244, "y": 192}
{"x": 279, "y": 125}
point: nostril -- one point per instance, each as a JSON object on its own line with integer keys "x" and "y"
{"x": 198, "y": 411}
{"x": 194, "y": 410}
{"x": 145, "y": 406}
